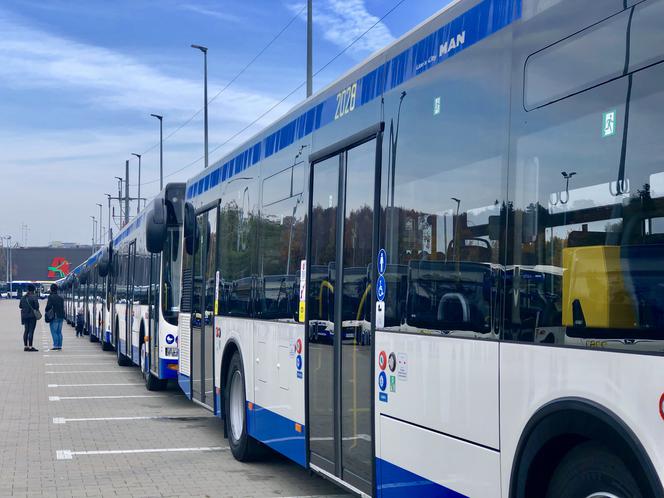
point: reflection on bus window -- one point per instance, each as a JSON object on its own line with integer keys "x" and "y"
{"x": 587, "y": 250}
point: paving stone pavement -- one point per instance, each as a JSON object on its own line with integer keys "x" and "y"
{"x": 37, "y": 401}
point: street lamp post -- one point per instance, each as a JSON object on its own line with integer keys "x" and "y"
{"x": 161, "y": 150}
{"x": 109, "y": 216}
{"x": 120, "y": 182}
{"x": 138, "y": 209}
{"x": 94, "y": 229}
{"x": 205, "y": 99}
{"x": 100, "y": 227}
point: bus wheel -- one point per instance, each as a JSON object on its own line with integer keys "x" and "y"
{"x": 106, "y": 346}
{"x": 152, "y": 383}
{"x": 591, "y": 470}
{"x": 244, "y": 447}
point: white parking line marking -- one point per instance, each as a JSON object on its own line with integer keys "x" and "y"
{"x": 87, "y": 371}
{"x": 73, "y": 364}
{"x": 69, "y": 355}
{"x": 68, "y": 454}
{"x": 104, "y": 385}
{"x": 62, "y": 420}
{"x": 60, "y": 398}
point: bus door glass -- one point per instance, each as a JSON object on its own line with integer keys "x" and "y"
{"x": 202, "y": 347}
{"x": 339, "y": 315}
{"x": 131, "y": 268}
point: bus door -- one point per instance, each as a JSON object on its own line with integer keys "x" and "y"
{"x": 339, "y": 319}
{"x": 202, "y": 322}
{"x": 154, "y": 310}
{"x": 131, "y": 274}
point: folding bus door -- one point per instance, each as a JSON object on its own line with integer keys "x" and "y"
{"x": 339, "y": 311}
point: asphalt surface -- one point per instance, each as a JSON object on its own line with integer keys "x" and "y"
{"x": 74, "y": 423}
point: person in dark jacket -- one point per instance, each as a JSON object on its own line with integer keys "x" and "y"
{"x": 28, "y": 305}
{"x": 56, "y": 307}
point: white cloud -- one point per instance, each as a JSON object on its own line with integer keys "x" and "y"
{"x": 210, "y": 12}
{"x": 30, "y": 58}
{"x": 342, "y": 21}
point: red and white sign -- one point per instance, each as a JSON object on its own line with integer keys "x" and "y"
{"x": 298, "y": 346}
{"x": 382, "y": 360}
{"x": 661, "y": 406}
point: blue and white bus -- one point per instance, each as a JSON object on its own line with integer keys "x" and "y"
{"x": 442, "y": 274}
{"x": 145, "y": 288}
{"x": 129, "y": 291}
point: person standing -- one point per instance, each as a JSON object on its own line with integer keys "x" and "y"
{"x": 55, "y": 315}
{"x": 29, "y": 315}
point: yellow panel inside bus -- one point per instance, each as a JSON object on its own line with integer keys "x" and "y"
{"x": 593, "y": 276}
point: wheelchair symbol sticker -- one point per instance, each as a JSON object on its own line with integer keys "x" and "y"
{"x": 380, "y": 288}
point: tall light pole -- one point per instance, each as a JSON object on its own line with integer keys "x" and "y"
{"x": 100, "y": 227}
{"x": 120, "y": 182}
{"x": 109, "y": 216}
{"x": 138, "y": 209}
{"x": 161, "y": 150}
{"x": 126, "y": 199}
{"x": 205, "y": 99}
{"x": 94, "y": 229}
{"x": 310, "y": 50}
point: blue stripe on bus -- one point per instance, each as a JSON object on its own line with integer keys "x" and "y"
{"x": 397, "y": 482}
{"x": 107, "y": 339}
{"x": 135, "y": 356}
{"x": 185, "y": 384}
{"x": 164, "y": 371}
{"x": 483, "y": 20}
{"x": 277, "y": 432}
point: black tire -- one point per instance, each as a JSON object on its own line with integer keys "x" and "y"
{"x": 244, "y": 448}
{"x": 591, "y": 469}
{"x": 152, "y": 383}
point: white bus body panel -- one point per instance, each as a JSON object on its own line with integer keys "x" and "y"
{"x": 450, "y": 385}
{"x": 277, "y": 386}
{"x": 629, "y": 385}
{"x": 440, "y": 459}
{"x": 240, "y": 331}
{"x": 437, "y": 415}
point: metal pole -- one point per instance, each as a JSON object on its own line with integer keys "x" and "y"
{"x": 161, "y": 150}
{"x": 126, "y": 199}
{"x": 138, "y": 207}
{"x": 94, "y": 229}
{"x": 100, "y": 227}
{"x": 11, "y": 270}
{"x": 161, "y": 154}
{"x": 205, "y": 99}
{"x": 310, "y": 56}
{"x": 109, "y": 216}
{"x": 206, "y": 108}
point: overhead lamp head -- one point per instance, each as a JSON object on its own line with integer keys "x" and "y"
{"x": 200, "y": 47}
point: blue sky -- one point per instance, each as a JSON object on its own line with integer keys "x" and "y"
{"x": 79, "y": 79}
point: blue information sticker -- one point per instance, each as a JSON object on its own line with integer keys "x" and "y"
{"x": 381, "y": 288}
{"x": 382, "y": 397}
{"x": 382, "y": 261}
{"x": 170, "y": 339}
{"x": 382, "y": 381}
{"x": 298, "y": 362}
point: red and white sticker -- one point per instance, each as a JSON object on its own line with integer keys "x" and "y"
{"x": 661, "y": 406}
{"x": 298, "y": 346}
{"x": 382, "y": 360}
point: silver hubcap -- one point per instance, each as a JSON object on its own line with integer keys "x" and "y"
{"x": 602, "y": 494}
{"x": 236, "y": 407}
